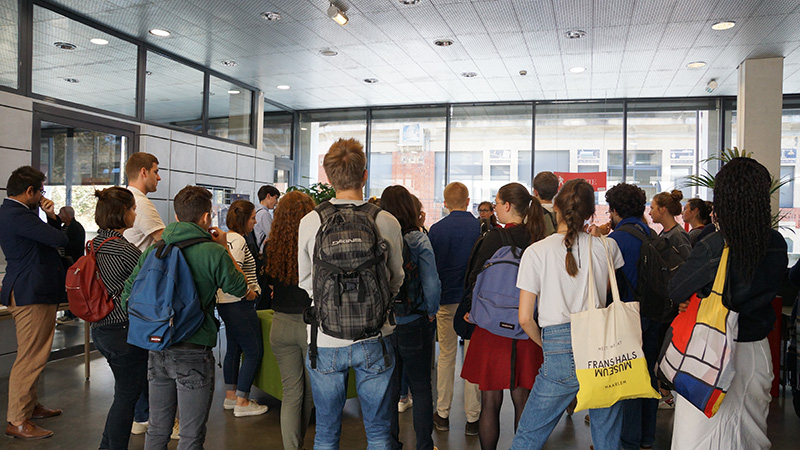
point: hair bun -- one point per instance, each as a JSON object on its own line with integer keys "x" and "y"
{"x": 677, "y": 194}
{"x": 99, "y": 194}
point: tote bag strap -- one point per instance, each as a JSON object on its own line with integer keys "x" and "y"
{"x": 611, "y": 270}
{"x": 592, "y": 286}
{"x": 722, "y": 270}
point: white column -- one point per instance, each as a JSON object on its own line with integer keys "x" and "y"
{"x": 759, "y": 106}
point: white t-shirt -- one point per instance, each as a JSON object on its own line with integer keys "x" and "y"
{"x": 543, "y": 272}
{"x": 147, "y": 221}
{"x": 243, "y": 257}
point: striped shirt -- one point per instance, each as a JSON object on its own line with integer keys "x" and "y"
{"x": 238, "y": 248}
{"x": 115, "y": 262}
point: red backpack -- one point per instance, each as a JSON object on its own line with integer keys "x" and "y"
{"x": 87, "y": 294}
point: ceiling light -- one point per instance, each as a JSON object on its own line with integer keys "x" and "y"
{"x": 724, "y": 25}
{"x": 147, "y": 72}
{"x": 328, "y": 52}
{"x": 271, "y": 16}
{"x": 234, "y": 92}
{"x": 523, "y": 73}
{"x": 337, "y": 15}
{"x": 159, "y": 33}
{"x": 283, "y": 87}
{"x": 409, "y": 2}
{"x": 469, "y": 74}
{"x": 98, "y": 41}
{"x": 65, "y": 45}
{"x": 71, "y": 80}
{"x": 577, "y": 69}
{"x": 370, "y": 80}
{"x": 575, "y": 34}
{"x": 230, "y": 63}
{"x": 443, "y": 42}
{"x": 696, "y": 64}
{"x": 303, "y": 128}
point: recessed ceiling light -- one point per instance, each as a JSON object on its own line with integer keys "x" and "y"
{"x": 147, "y": 72}
{"x": 71, "y": 80}
{"x": 98, "y": 41}
{"x": 696, "y": 64}
{"x": 65, "y": 45}
{"x": 469, "y": 74}
{"x": 577, "y": 69}
{"x": 409, "y": 2}
{"x": 328, "y": 52}
{"x": 159, "y": 33}
{"x": 370, "y": 80}
{"x": 234, "y": 92}
{"x": 575, "y": 34}
{"x": 724, "y": 25}
{"x": 272, "y": 16}
{"x": 230, "y": 63}
{"x": 443, "y": 42}
{"x": 283, "y": 87}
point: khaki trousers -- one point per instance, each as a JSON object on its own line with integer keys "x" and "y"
{"x": 446, "y": 368}
{"x": 35, "y": 325}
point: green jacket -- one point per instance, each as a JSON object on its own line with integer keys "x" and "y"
{"x": 212, "y": 268}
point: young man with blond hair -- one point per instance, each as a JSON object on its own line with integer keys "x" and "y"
{"x": 452, "y": 239}
{"x": 373, "y": 361}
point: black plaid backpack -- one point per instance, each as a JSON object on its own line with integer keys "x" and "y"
{"x": 351, "y": 291}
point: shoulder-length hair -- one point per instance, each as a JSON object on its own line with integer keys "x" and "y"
{"x": 281, "y": 254}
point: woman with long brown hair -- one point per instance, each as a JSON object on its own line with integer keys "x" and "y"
{"x": 288, "y": 337}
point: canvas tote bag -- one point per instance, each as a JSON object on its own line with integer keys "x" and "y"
{"x": 697, "y": 358}
{"x": 607, "y": 348}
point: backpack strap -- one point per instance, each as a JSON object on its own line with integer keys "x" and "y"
{"x": 90, "y": 245}
{"x": 506, "y": 241}
{"x": 635, "y": 230}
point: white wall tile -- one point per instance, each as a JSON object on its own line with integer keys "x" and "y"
{"x": 152, "y": 130}
{"x": 265, "y": 172}
{"x": 247, "y": 187}
{"x": 216, "y": 162}
{"x": 11, "y": 160}
{"x": 242, "y": 150}
{"x": 162, "y": 207}
{"x": 216, "y": 144}
{"x": 210, "y": 180}
{"x": 16, "y": 101}
{"x": 179, "y": 180}
{"x": 245, "y": 167}
{"x": 160, "y": 148}
{"x": 171, "y": 218}
{"x": 16, "y": 128}
{"x": 183, "y": 137}
{"x": 163, "y": 186}
{"x": 182, "y": 156}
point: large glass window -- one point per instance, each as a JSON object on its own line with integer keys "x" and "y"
{"x": 789, "y": 199}
{"x": 9, "y": 42}
{"x": 318, "y": 131}
{"x": 76, "y": 63}
{"x": 229, "y": 110}
{"x": 173, "y": 93}
{"x": 77, "y": 161}
{"x": 277, "y": 135}
{"x": 490, "y": 146}
{"x": 408, "y": 148}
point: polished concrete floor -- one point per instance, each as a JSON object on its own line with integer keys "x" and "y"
{"x": 86, "y": 403}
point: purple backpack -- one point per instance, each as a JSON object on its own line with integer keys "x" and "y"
{"x": 495, "y": 297}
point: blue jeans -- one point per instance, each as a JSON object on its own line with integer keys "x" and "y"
{"x": 555, "y": 387}
{"x": 639, "y": 414}
{"x": 179, "y": 377}
{"x": 129, "y": 366}
{"x": 373, "y": 377}
{"x": 243, "y": 334}
{"x": 413, "y": 343}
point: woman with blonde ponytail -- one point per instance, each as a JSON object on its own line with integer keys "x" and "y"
{"x": 493, "y": 362}
{"x": 556, "y": 270}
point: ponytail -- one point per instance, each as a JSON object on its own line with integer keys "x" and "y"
{"x": 575, "y": 201}
{"x": 527, "y": 206}
{"x": 534, "y": 220}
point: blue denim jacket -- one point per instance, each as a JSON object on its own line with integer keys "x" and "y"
{"x": 422, "y": 254}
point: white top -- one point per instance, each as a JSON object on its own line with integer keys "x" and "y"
{"x": 561, "y": 294}
{"x": 241, "y": 253}
{"x": 147, "y": 221}
{"x": 389, "y": 229}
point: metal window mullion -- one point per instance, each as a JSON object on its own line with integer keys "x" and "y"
{"x": 206, "y": 97}
{"x": 447, "y": 123}
{"x": 624, "y": 141}
{"x": 533, "y": 142}
{"x": 697, "y": 150}
{"x": 141, "y": 82}
{"x": 368, "y": 148}
{"x": 25, "y": 47}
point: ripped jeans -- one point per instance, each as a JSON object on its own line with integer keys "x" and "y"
{"x": 179, "y": 378}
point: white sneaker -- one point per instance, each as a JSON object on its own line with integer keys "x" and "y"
{"x": 666, "y": 403}
{"x": 403, "y": 405}
{"x": 252, "y": 409}
{"x": 229, "y": 404}
{"x": 139, "y": 427}
{"x": 176, "y": 429}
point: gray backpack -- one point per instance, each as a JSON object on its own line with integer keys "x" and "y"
{"x": 351, "y": 291}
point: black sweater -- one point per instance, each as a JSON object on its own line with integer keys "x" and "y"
{"x": 753, "y": 300}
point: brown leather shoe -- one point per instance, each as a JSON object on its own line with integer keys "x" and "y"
{"x": 40, "y": 412}
{"x": 28, "y": 430}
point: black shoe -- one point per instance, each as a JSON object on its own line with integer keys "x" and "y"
{"x": 471, "y": 428}
{"x": 440, "y": 423}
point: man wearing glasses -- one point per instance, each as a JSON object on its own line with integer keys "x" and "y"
{"x": 33, "y": 287}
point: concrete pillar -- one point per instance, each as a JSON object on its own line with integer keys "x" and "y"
{"x": 759, "y": 106}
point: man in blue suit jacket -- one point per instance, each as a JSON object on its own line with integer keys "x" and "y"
{"x": 32, "y": 288}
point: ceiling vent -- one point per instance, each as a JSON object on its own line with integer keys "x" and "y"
{"x": 575, "y": 34}
{"x": 65, "y": 45}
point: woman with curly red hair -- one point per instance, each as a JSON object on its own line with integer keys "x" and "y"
{"x": 288, "y": 335}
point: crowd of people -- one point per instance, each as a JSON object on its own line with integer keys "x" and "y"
{"x": 363, "y": 285}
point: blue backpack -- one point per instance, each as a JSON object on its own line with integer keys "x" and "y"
{"x": 495, "y": 297}
{"x": 163, "y": 307}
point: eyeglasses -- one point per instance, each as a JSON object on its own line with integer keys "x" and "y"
{"x": 484, "y": 210}
{"x": 42, "y": 191}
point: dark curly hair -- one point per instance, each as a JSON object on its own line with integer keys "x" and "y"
{"x": 627, "y": 200}
{"x": 742, "y": 207}
{"x": 281, "y": 253}
{"x": 575, "y": 202}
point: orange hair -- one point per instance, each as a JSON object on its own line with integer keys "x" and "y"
{"x": 281, "y": 251}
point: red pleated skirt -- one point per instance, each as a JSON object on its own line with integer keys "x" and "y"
{"x": 489, "y": 362}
